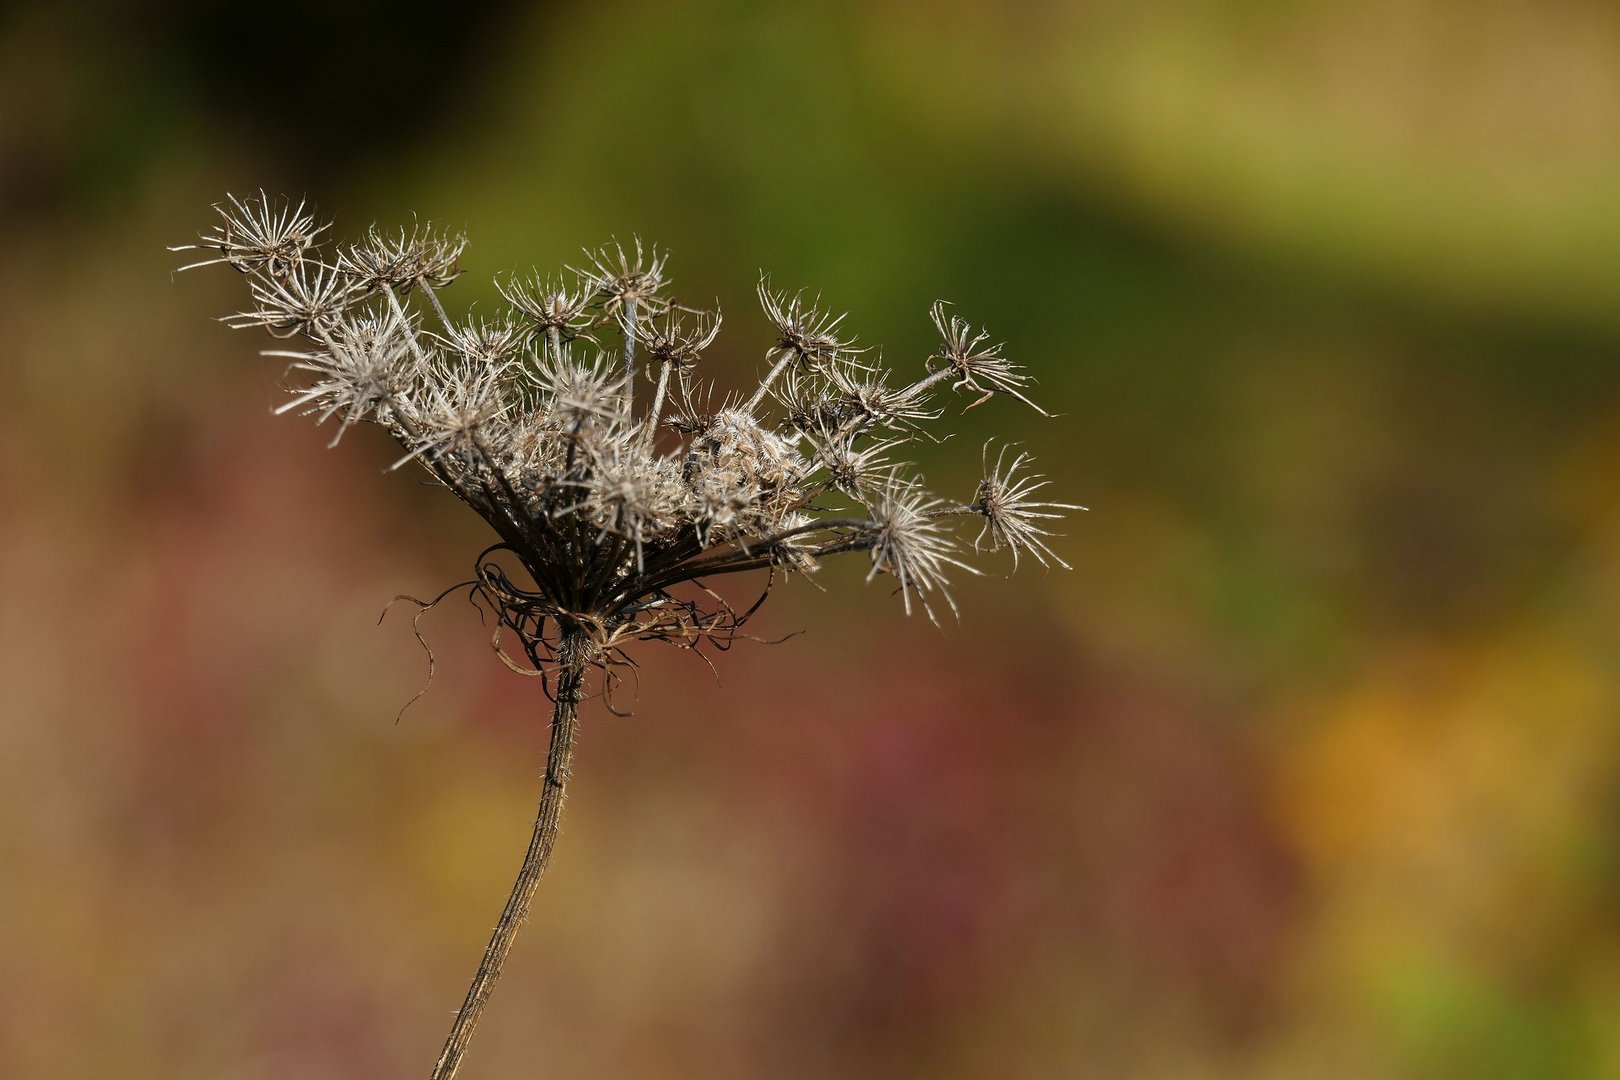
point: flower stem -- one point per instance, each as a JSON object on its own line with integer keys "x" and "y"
{"x": 571, "y": 655}
{"x": 770, "y": 376}
{"x": 629, "y": 352}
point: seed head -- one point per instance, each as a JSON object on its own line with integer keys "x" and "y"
{"x": 482, "y": 341}
{"x": 257, "y": 236}
{"x": 803, "y": 330}
{"x": 404, "y": 259}
{"x": 912, "y": 542}
{"x": 362, "y": 372}
{"x": 548, "y": 303}
{"x": 582, "y": 397}
{"x": 619, "y": 510}
{"x": 1013, "y": 517}
{"x": 976, "y": 366}
{"x": 873, "y": 402}
{"x": 621, "y": 279}
{"x": 677, "y": 341}
{"x": 457, "y": 412}
{"x": 304, "y": 300}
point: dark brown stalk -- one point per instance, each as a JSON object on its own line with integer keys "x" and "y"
{"x": 571, "y": 655}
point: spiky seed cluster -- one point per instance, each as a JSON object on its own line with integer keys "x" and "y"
{"x": 549, "y": 304}
{"x": 619, "y": 506}
{"x": 1014, "y": 518}
{"x": 976, "y": 365}
{"x": 619, "y": 279}
{"x": 257, "y": 234}
{"x": 804, "y": 331}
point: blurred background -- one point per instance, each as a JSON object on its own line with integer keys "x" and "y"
{"x": 1309, "y": 768}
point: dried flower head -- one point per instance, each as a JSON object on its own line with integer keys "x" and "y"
{"x": 554, "y": 452}
{"x": 804, "y": 331}
{"x": 483, "y": 341}
{"x": 974, "y": 364}
{"x": 626, "y": 280}
{"x": 614, "y": 512}
{"x": 363, "y": 370}
{"x": 257, "y": 235}
{"x": 404, "y": 259}
{"x": 302, "y": 299}
{"x": 548, "y": 304}
{"x": 912, "y": 541}
{"x": 679, "y": 338}
{"x": 1013, "y": 518}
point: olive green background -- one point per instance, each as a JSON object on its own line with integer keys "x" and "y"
{"x": 1309, "y": 768}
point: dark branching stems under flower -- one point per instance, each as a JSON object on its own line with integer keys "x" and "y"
{"x": 614, "y": 510}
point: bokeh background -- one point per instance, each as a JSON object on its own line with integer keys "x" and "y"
{"x": 1309, "y": 768}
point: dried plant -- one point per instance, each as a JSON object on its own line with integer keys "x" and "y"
{"x": 574, "y": 424}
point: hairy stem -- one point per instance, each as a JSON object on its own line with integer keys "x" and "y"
{"x": 932, "y": 379}
{"x": 657, "y": 403}
{"x": 554, "y": 341}
{"x": 438, "y": 308}
{"x": 770, "y": 376}
{"x": 629, "y": 352}
{"x": 571, "y": 655}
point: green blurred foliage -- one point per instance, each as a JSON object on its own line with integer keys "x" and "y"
{"x": 1309, "y": 768}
